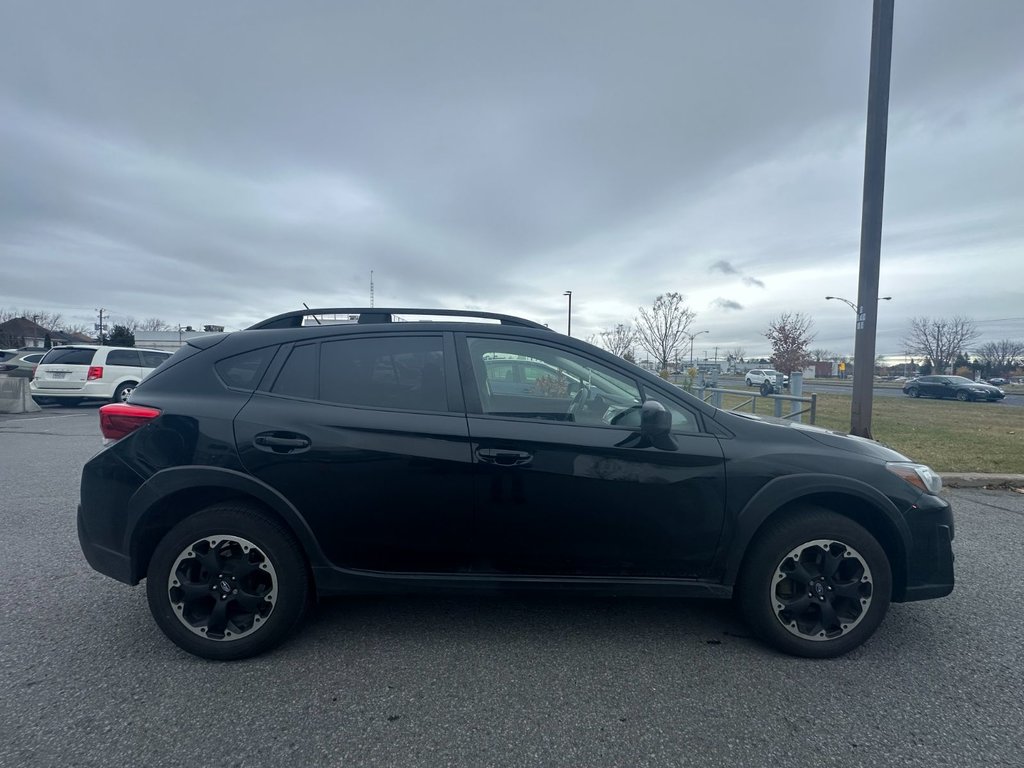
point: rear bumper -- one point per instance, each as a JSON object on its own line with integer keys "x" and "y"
{"x": 108, "y": 562}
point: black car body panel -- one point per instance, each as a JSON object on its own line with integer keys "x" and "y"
{"x": 442, "y": 493}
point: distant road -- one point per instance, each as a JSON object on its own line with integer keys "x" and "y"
{"x": 834, "y": 387}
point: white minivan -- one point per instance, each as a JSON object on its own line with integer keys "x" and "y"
{"x": 70, "y": 374}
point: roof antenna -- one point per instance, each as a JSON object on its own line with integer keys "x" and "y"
{"x": 312, "y": 315}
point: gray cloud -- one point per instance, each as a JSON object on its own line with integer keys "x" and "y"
{"x": 724, "y": 267}
{"x": 753, "y": 281}
{"x": 726, "y": 304}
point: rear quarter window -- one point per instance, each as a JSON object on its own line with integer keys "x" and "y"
{"x": 69, "y": 357}
{"x": 244, "y": 371}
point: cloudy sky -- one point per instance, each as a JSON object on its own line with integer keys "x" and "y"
{"x": 223, "y": 162}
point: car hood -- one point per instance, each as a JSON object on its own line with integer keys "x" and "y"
{"x": 831, "y": 438}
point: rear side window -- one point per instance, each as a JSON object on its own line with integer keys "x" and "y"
{"x": 403, "y": 372}
{"x": 152, "y": 359}
{"x": 127, "y": 357}
{"x": 66, "y": 356}
{"x": 244, "y": 371}
{"x": 298, "y": 375}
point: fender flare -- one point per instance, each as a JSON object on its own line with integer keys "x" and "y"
{"x": 167, "y": 482}
{"x": 782, "y": 491}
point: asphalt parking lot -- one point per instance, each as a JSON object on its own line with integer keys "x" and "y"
{"x": 88, "y": 680}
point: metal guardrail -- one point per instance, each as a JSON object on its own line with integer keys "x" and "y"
{"x": 714, "y": 396}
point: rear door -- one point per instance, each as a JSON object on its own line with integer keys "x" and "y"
{"x": 64, "y": 368}
{"x": 366, "y": 435}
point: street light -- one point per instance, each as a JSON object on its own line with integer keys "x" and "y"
{"x": 693, "y": 336}
{"x": 853, "y": 306}
{"x": 569, "y": 329}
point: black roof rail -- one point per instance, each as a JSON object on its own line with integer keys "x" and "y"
{"x": 384, "y": 315}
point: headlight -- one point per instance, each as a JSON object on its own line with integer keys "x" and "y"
{"x": 918, "y": 475}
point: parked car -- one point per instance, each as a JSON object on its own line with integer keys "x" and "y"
{"x": 70, "y": 374}
{"x": 959, "y": 387}
{"x": 998, "y": 381}
{"x": 21, "y": 364}
{"x": 757, "y": 376}
{"x": 258, "y": 468}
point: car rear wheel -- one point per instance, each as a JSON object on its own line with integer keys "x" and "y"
{"x": 963, "y": 396}
{"x": 815, "y": 584}
{"x": 124, "y": 391}
{"x": 229, "y": 582}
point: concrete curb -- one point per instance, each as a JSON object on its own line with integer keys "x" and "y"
{"x": 980, "y": 480}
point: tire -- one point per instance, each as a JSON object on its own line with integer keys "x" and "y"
{"x": 237, "y": 598}
{"x": 124, "y": 391}
{"x": 766, "y": 388}
{"x": 749, "y": 383}
{"x": 796, "y": 553}
{"x": 963, "y": 395}
{"x": 914, "y": 392}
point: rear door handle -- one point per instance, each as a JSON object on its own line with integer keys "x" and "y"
{"x": 503, "y": 458}
{"x": 277, "y": 442}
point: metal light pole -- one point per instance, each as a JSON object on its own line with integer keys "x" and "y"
{"x": 569, "y": 330}
{"x": 871, "y": 215}
{"x": 853, "y": 306}
{"x": 693, "y": 336}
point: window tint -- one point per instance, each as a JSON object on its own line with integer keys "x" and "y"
{"x": 69, "y": 356}
{"x": 298, "y": 376}
{"x": 124, "y": 357}
{"x": 554, "y": 384}
{"x": 152, "y": 359}
{"x": 245, "y": 370}
{"x": 404, "y": 372}
{"x": 35, "y": 358}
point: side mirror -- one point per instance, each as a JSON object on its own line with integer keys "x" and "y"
{"x": 655, "y": 420}
{"x": 656, "y": 426}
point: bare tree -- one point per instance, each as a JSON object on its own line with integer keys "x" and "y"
{"x": 153, "y": 324}
{"x": 820, "y": 355}
{"x": 662, "y": 328}
{"x": 619, "y": 340}
{"x": 790, "y": 335}
{"x": 737, "y": 354}
{"x": 1000, "y": 356}
{"x": 940, "y": 339}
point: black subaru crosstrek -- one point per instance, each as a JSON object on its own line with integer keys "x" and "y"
{"x": 256, "y": 470}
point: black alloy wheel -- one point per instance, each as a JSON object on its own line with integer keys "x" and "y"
{"x": 228, "y": 582}
{"x": 963, "y": 395}
{"x": 815, "y": 584}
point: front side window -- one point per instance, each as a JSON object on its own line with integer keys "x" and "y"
{"x": 400, "y": 372}
{"x": 555, "y": 385}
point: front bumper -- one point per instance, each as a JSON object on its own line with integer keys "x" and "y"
{"x": 930, "y": 553}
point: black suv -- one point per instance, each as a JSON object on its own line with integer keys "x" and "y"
{"x": 257, "y": 469}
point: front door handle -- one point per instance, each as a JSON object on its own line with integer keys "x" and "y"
{"x": 503, "y": 458}
{"x": 281, "y": 442}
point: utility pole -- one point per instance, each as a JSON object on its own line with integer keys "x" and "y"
{"x": 100, "y": 326}
{"x": 871, "y": 217}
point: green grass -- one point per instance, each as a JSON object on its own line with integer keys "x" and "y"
{"x": 947, "y": 435}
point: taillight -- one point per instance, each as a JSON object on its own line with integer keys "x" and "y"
{"x": 118, "y": 420}
{"x": 95, "y": 372}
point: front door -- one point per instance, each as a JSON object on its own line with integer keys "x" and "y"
{"x": 561, "y": 488}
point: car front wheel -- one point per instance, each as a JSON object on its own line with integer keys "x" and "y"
{"x": 914, "y": 392}
{"x": 963, "y": 396}
{"x": 229, "y": 582}
{"x": 815, "y": 584}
